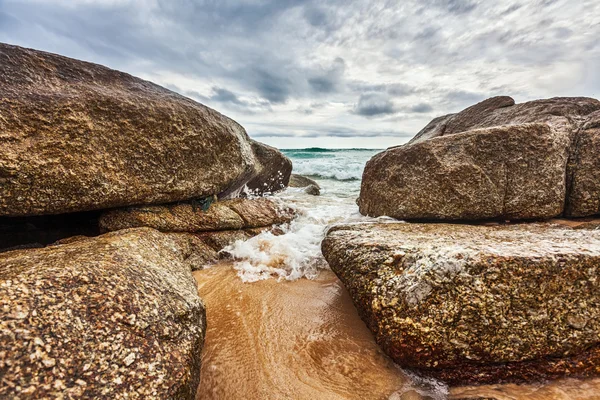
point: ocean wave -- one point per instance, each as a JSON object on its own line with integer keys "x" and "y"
{"x": 329, "y": 168}
{"x": 323, "y": 150}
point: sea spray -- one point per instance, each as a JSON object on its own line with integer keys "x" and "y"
{"x": 296, "y": 253}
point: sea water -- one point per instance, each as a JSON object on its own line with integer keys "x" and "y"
{"x": 297, "y": 253}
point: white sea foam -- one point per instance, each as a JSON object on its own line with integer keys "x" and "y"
{"x": 297, "y": 253}
{"x": 423, "y": 387}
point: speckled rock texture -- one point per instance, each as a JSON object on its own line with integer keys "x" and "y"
{"x": 510, "y": 172}
{"x": 583, "y": 175}
{"x": 476, "y": 304}
{"x": 185, "y": 217}
{"x": 274, "y": 170}
{"x": 77, "y": 136}
{"x": 113, "y": 317}
{"x": 440, "y": 154}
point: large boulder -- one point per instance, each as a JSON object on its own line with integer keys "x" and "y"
{"x": 188, "y": 217}
{"x": 451, "y": 171}
{"x": 77, "y": 136}
{"x": 117, "y": 316}
{"x": 476, "y": 304}
{"x": 274, "y": 170}
{"x": 511, "y": 172}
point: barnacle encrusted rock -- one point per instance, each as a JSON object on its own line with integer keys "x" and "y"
{"x": 481, "y": 163}
{"x": 512, "y": 172}
{"x": 188, "y": 217}
{"x": 476, "y": 304}
{"x": 77, "y": 136}
{"x": 117, "y": 316}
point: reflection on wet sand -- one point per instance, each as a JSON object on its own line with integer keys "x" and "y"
{"x": 305, "y": 340}
{"x": 288, "y": 340}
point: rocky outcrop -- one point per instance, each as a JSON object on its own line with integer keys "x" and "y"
{"x": 299, "y": 181}
{"x": 511, "y": 172}
{"x": 223, "y": 215}
{"x": 476, "y": 304}
{"x": 76, "y": 136}
{"x": 274, "y": 170}
{"x": 117, "y": 316}
{"x": 488, "y": 161}
{"x": 562, "y": 113}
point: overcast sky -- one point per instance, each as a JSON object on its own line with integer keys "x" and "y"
{"x": 339, "y": 73}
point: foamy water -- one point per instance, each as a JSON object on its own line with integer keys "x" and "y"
{"x": 297, "y": 253}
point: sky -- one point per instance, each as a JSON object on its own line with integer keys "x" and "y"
{"x": 337, "y": 73}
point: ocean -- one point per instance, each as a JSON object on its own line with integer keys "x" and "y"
{"x": 297, "y": 253}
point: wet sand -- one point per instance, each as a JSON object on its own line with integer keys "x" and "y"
{"x": 305, "y": 340}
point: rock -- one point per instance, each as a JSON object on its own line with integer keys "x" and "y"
{"x": 185, "y": 217}
{"x": 476, "y": 304}
{"x": 274, "y": 170}
{"x": 584, "y": 171}
{"x": 77, "y": 136}
{"x": 562, "y": 113}
{"x": 299, "y": 181}
{"x": 109, "y": 317}
{"x": 313, "y": 190}
{"x": 510, "y": 172}
{"x": 448, "y": 179}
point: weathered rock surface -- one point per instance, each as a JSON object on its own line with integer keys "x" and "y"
{"x": 476, "y": 304}
{"x": 117, "y": 316}
{"x": 312, "y": 190}
{"x": 584, "y": 171}
{"x": 512, "y": 172}
{"x": 299, "y": 181}
{"x": 562, "y": 113}
{"x": 77, "y": 136}
{"x": 448, "y": 180}
{"x": 185, "y": 217}
{"x": 274, "y": 170}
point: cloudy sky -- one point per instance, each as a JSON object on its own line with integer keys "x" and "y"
{"x": 329, "y": 73}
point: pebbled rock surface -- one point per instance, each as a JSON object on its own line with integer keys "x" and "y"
{"x": 440, "y": 154}
{"x": 77, "y": 136}
{"x": 511, "y": 172}
{"x": 476, "y": 304}
{"x": 185, "y": 217}
{"x": 117, "y": 316}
